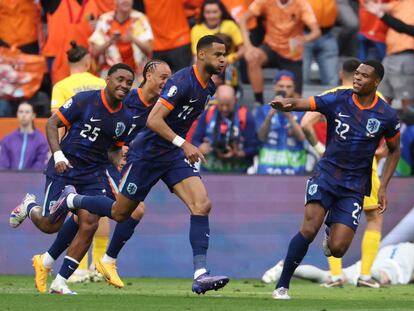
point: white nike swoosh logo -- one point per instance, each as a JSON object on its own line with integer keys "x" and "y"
{"x": 343, "y": 115}
{"x": 135, "y": 117}
{"x": 95, "y": 120}
{"x": 71, "y": 268}
{"x": 193, "y": 100}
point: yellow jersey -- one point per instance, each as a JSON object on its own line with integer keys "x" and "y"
{"x": 75, "y": 83}
{"x": 227, "y": 27}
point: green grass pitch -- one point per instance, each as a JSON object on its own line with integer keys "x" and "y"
{"x": 18, "y": 293}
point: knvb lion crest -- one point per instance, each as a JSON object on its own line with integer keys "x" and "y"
{"x": 312, "y": 189}
{"x": 120, "y": 128}
{"x": 373, "y": 125}
{"x": 132, "y": 188}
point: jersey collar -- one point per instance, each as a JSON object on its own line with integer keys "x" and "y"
{"x": 358, "y": 104}
{"x": 141, "y": 97}
{"x": 107, "y": 105}
{"x": 197, "y": 74}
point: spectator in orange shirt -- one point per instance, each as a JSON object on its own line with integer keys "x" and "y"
{"x": 67, "y": 20}
{"x": 371, "y": 35}
{"x": 285, "y": 21}
{"x": 325, "y": 49}
{"x": 20, "y": 25}
{"x": 122, "y": 36}
{"x": 171, "y": 31}
{"x": 398, "y": 81}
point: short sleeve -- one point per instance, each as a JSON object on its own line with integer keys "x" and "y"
{"x": 236, "y": 34}
{"x": 308, "y": 16}
{"x": 257, "y": 7}
{"x": 392, "y": 131}
{"x": 142, "y": 28}
{"x": 70, "y": 111}
{"x": 102, "y": 27}
{"x": 58, "y": 98}
{"x": 323, "y": 103}
{"x": 173, "y": 94}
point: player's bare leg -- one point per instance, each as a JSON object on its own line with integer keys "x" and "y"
{"x": 123, "y": 208}
{"x": 313, "y": 220}
{"x": 88, "y": 224}
{"x": 340, "y": 238}
{"x": 193, "y": 193}
{"x": 42, "y": 223}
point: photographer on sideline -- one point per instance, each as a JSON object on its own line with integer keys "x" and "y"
{"x": 226, "y": 134}
{"x": 282, "y": 151}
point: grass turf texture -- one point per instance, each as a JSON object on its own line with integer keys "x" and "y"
{"x": 18, "y": 293}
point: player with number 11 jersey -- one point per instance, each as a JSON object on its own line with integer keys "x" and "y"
{"x": 186, "y": 95}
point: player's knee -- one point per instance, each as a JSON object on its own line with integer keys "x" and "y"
{"x": 309, "y": 230}
{"x": 49, "y": 229}
{"x": 138, "y": 213}
{"x": 89, "y": 226}
{"x": 309, "y": 233}
{"x": 119, "y": 216}
{"x": 201, "y": 207}
{"x": 338, "y": 250}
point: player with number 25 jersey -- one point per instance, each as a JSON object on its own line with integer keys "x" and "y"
{"x": 94, "y": 128}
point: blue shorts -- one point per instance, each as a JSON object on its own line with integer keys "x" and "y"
{"x": 141, "y": 175}
{"x": 344, "y": 206}
{"x": 54, "y": 188}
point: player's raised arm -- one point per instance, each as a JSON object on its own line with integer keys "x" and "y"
{"x": 292, "y": 104}
{"x": 156, "y": 122}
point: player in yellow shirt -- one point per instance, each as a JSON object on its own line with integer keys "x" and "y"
{"x": 81, "y": 80}
{"x": 372, "y": 235}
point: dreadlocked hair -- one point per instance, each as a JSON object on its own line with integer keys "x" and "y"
{"x": 150, "y": 67}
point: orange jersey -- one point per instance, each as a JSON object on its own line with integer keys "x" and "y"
{"x": 125, "y": 48}
{"x": 105, "y": 6}
{"x": 325, "y": 12}
{"x": 370, "y": 25}
{"x": 169, "y": 24}
{"x": 19, "y": 22}
{"x": 69, "y": 22}
{"x": 237, "y": 8}
{"x": 284, "y": 24}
